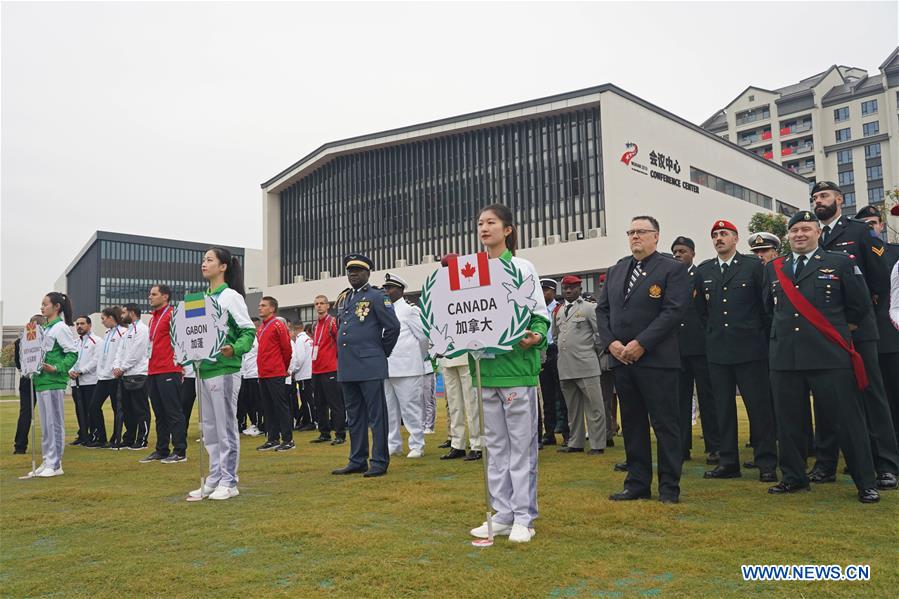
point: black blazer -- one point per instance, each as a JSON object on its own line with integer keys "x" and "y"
{"x": 651, "y": 314}
{"x": 730, "y": 307}
{"x": 829, "y": 282}
{"x": 690, "y": 334}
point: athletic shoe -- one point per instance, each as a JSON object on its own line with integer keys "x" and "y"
{"x": 339, "y": 441}
{"x": 255, "y": 432}
{"x": 153, "y": 457}
{"x": 397, "y": 453}
{"x": 115, "y": 446}
{"x": 286, "y": 446}
{"x": 96, "y": 445}
{"x": 174, "y": 458}
{"x": 429, "y": 431}
{"x": 224, "y": 493}
{"x": 36, "y": 472}
{"x": 415, "y": 453}
{"x": 520, "y": 534}
{"x": 499, "y": 530}
{"x": 49, "y": 472}
{"x": 268, "y": 445}
{"x": 201, "y": 493}
{"x": 322, "y": 439}
{"x": 137, "y": 446}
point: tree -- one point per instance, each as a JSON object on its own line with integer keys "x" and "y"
{"x": 766, "y": 222}
{"x": 8, "y": 356}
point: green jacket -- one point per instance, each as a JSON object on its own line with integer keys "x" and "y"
{"x": 519, "y": 367}
{"x": 240, "y": 333}
{"x": 60, "y": 351}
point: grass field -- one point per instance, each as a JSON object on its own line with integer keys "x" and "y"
{"x": 113, "y": 527}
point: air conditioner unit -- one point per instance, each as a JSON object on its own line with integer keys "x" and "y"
{"x": 325, "y": 274}
{"x": 536, "y": 242}
{"x": 427, "y": 259}
{"x": 594, "y": 233}
{"x": 553, "y": 239}
{"x": 575, "y": 236}
{"x": 399, "y": 263}
{"x": 299, "y": 279}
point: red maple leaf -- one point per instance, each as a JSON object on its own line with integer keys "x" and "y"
{"x": 468, "y": 271}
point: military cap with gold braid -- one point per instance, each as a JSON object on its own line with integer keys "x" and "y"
{"x": 358, "y": 261}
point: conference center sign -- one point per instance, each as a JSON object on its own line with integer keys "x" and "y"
{"x": 663, "y": 167}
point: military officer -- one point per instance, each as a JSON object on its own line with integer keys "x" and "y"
{"x": 368, "y": 330}
{"x": 815, "y": 297}
{"x": 575, "y": 332}
{"x": 853, "y": 238}
{"x": 888, "y": 344}
{"x": 765, "y": 245}
{"x": 729, "y": 301}
{"x": 549, "y": 375}
{"x": 694, "y": 366}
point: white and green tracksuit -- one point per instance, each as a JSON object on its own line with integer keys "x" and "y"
{"x": 509, "y": 384}
{"x": 60, "y": 351}
{"x": 219, "y": 383}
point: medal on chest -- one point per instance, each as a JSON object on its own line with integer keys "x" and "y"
{"x": 362, "y": 309}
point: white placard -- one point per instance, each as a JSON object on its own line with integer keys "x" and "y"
{"x": 199, "y": 328}
{"x": 31, "y": 349}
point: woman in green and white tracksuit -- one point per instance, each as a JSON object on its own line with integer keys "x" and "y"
{"x": 509, "y": 383}
{"x": 220, "y": 380}
{"x": 60, "y": 353}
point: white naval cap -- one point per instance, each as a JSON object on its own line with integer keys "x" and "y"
{"x": 395, "y": 280}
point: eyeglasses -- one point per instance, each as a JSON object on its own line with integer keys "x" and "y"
{"x": 639, "y": 232}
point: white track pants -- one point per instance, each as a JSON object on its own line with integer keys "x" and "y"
{"x": 218, "y": 403}
{"x": 53, "y": 433}
{"x": 403, "y": 395}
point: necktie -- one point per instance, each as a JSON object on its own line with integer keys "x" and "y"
{"x": 724, "y": 268}
{"x": 635, "y": 274}
{"x": 825, "y": 234}
{"x": 799, "y": 264}
{"x": 568, "y": 309}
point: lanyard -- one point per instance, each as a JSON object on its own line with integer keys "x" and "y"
{"x": 108, "y": 334}
{"x": 262, "y": 332}
{"x": 318, "y": 333}
{"x": 153, "y": 328}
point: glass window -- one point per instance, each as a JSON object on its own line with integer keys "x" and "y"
{"x": 875, "y": 195}
{"x": 869, "y": 129}
{"x": 869, "y": 107}
{"x": 849, "y": 198}
{"x": 843, "y": 135}
{"x": 846, "y": 178}
{"x": 872, "y": 150}
{"x": 841, "y": 114}
{"x": 844, "y": 157}
{"x": 874, "y": 172}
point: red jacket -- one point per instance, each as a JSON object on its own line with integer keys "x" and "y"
{"x": 162, "y": 357}
{"x": 275, "y": 350}
{"x": 324, "y": 345}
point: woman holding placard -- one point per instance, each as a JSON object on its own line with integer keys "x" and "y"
{"x": 220, "y": 380}
{"x": 60, "y": 353}
{"x": 509, "y": 383}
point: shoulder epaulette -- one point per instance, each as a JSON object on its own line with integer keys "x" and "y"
{"x": 707, "y": 261}
{"x": 342, "y": 295}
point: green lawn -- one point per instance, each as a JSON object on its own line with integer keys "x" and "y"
{"x": 113, "y": 527}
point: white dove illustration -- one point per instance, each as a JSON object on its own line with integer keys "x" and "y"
{"x": 522, "y": 295}
{"x": 440, "y": 342}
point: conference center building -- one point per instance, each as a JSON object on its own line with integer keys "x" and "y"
{"x": 573, "y": 168}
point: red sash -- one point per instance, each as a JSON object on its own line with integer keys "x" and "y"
{"x": 810, "y": 313}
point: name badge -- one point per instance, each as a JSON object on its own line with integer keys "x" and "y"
{"x": 314, "y": 353}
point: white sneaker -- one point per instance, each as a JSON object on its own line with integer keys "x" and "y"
{"x": 398, "y": 452}
{"x": 415, "y": 453}
{"x": 521, "y": 534}
{"x": 499, "y": 530}
{"x": 253, "y": 431}
{"x": 202, "y": 493}
{"x": 48, "y": 472}
{"x": 36, "y": 472}
{"x": 224, "y": 493}
{"x": 429, "y": 431}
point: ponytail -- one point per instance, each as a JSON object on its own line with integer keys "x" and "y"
{"x": 65, "y": 305}
{"x": 505, "y": 215}
{"x": 233, "y": 272}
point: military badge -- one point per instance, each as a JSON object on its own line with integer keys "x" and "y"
{"x": 362, "y": 309}
{"x": 655, "y": 292}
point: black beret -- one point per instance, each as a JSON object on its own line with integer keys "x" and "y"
{"x": 358, "y": 261}
{"x": 868, "y": 211}
{"x": 826, "y": 186}
{"x": 803, "y": 216}
{"x": 684, "y": 241}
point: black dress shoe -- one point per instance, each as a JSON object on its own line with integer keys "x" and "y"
{"x": 620, "y": 467}
{"x": 454, "y": 454}
{"x": 768, "y": 477}
{"x": 373, "y": 473}
{"x": 782, "y": 488}
{"x": 350, "y": 469}
{"x": 18, "y": 452}
{"x": 322, "y": 439}
{"x": 570, "y": 450}
{"x": 750, "y": 465}
{"x": 549, "y": 439}
{"x": 338, "y": 441}
{"x": 712, "y": 459}
{"x": 596, "y": 452}
{"x": 628, "y": 495}
{"x": 610, "y": 442}
{"x": 819, "y": 476}
{"x": 669, "y": 499}
{"x": 720, "y": 472}
{"x": 887, "y": 481}
{"x": 446, "y": 444}
{"x": 868, "y": 496}
{"x": 473, "y": 455}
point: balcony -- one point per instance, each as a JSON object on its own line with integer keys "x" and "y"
{"x": 801, "y": 170}
{"x": 769, "y": 155}
{"x": 795, "y": 150}
{"x": 752, "y": 117}
{"x": 794, "y": 129}
{"x": 754, "y": 138}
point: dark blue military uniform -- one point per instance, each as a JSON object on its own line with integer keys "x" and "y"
{"x": 367, "y": 331}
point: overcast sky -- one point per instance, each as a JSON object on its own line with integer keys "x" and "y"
{"x": 162, "y": 119}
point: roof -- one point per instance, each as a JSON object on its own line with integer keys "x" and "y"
{"x": 313, "y": 156}
{"x": 158, "y": 241}
{"x": 890, "y": 59}
{"x": 861, "y": 87}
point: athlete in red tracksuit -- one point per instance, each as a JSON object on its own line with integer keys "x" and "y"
{"x": 327, "y": 393}
{"x": 273, "y": 359}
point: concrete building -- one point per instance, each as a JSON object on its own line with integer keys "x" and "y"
{"x": 838, "y": 125}
{"x": 574, "y": 168}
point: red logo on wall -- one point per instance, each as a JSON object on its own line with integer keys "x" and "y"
{"x": 629, "y": 153}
